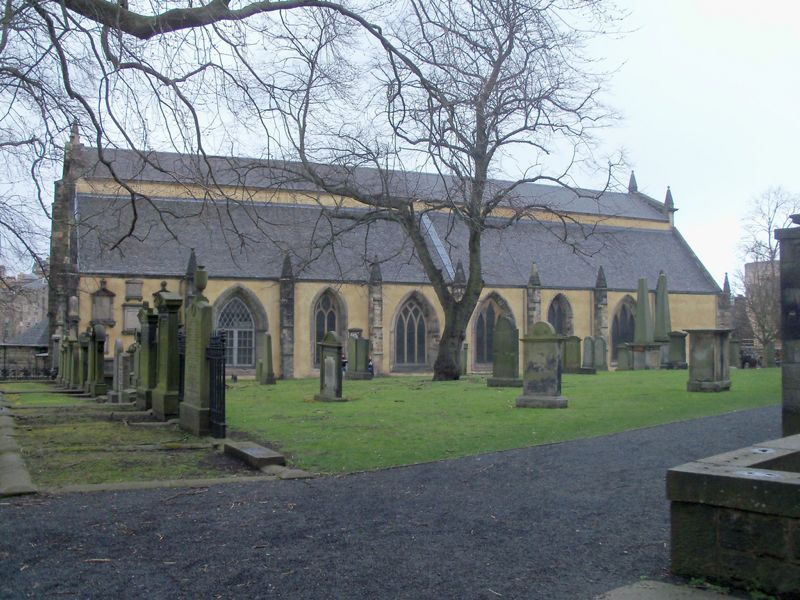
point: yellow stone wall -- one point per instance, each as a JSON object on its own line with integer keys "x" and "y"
{"x": 687, "y": 310}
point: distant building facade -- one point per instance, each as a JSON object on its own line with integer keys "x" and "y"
{"x": 272, "y": 269}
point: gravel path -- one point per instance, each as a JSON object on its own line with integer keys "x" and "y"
{"x": 565, "y": 521}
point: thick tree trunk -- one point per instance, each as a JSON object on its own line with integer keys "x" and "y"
{"x": 447, "y": 366}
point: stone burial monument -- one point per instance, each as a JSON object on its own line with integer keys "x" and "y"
{"x": 645, "y": 352}
{"x": 330, "y": 369}
{"x": 195, "y": 408}
{"x": 264, "y": 373}
{"x": 357, "y": 356}
{"x": 542, "y": 363}
{"x": 505, "y": 361}
{"x": 709, "y": 364}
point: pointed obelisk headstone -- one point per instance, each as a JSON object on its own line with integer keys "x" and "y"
{"x": 646, "y": 354}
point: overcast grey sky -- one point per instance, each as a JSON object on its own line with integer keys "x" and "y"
{"x": 710, "y": 98}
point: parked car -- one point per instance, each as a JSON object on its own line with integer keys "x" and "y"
{"x": 748, "y": 358}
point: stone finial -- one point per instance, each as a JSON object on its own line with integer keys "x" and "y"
{"x": 534, "y": 280}
{"x": 191, "y": 266}
{"x": 632, "y": 186}
{"x": 669, "y": 204}
{"x": 286, "y": 270}
{"x": 663, "y": 322}
{"x": 459, "y": 279}
{"x": 375, "y": 275}
{"x": 74, "y": 134}
{"x": 601, "y": 278}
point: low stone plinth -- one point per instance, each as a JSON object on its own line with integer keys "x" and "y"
{"x": 541, "y": 401}
{"x": 355, "y": 375}
{"x": 254, "y": 455}
{"x": 736, "y": 517}
{"x": 708, "y": 386}
{"x": 504, "y": 382}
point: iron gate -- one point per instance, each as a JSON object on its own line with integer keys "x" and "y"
{"x": 215, "y": 353}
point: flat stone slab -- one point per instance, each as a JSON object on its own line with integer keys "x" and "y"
{"x": 541, "y": 402}
{"x": 254, "y": 455}
{"x": 656, "y": 590}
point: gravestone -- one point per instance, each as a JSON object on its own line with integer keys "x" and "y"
{"x": 165, "y": 394}
{"x": 196, "y": 405}
{"x": 115, "y": 393}
{"x": 542, "y": 375}
{"x": 505, "y": 361}
{"x": 790, "y": 327}
{"x": 624, "y": 357}
{"x": 357, "y": 356}
{"x": 769, "y": 355}
{"x": 663, "y": 323}
{"x": 736, "y": 354}
{"x": 571, "y": 359}
{"x": 148, "y": 357}
{"x": 600, "y": 354}
{"x": 330, "y": 369}
{"x": 97, "y": 379}
{"x": 129, "y": 391}
{"x": 587, "y": 365}
{"x": 677, "y": 350}
{"x": 709, "y": 363}
{"x": 80, "y": 373}
{"x": 264, "y": 373}
{"x": 645, "y": 352}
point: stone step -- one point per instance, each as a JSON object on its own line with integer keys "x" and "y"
{"x": 253, "y": 454}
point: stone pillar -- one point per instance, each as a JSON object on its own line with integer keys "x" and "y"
{"x": 601, "y": 307}
{"x": 165, "y": 394}
{"x": 790, "y": 326}
{"x": 709, "y": 360}
{"x": 97, "y": 342}
{"x": 80, "y": 376}
{"x": 375, "y": 315}
{"x": 330, "y": 369}
{"x": 196, "y": 405}
{"x": 148, "y": 357}
{"x": 542, "y": 377}
{"x": 287, "y": 319}
{"x": 663, "y": 322}
{"x": 533, "y": 299}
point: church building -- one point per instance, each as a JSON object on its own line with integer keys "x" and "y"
{"x": 274, "y": 266}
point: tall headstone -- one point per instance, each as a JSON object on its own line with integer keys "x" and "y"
{"x": 330, "y": 369}
{"x": 357, "y": 356}
{"x": 663, "y": 323}
{"x": 624, "y": 357}
{"x": 265, "y": 374}
{"x": 165, "y": 394}
{"x": 601, "y": 305}
{"x": 195, "y": 408}
{"x": 375, "y": 310}
{"x": 572, "y": 354}
{"x": 148, "y": 357}
{"x": 80, "y": 374}
{"x": 588, "y": 353}
{"x": 129, "y": 391}
{"x": 533, "y": 300}
{"x": 790, "y": 326}
{"x": 645, "y": 352}
{"x": 600, "y": 354}
{"x": 505, "y": 362}
{"x": 97, "y": 344}
{"x": 541, "y": 386}
{"x": 709, "y": 362}
{"x": 287, "y": 319}
{"x": 117, "y": 381}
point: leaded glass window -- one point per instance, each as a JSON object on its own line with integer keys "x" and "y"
{"x": 411, "y": 335}
{"x": 559, "y": 315}
{"x": 484, "y": 333}
{"x": 326, "y": 318}
{"x": 236, "y": 321}
{"x": 622, "y": 327}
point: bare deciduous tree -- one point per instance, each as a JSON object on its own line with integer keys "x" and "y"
{"x": 760, "y": 279}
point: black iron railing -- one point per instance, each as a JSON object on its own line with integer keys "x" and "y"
{"x": 215, "y": 353}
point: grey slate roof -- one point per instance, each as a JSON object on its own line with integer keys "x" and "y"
{"x": 168, "y": 167}
{"x": 249, "y": 241}
{"x": 36, "y": 336}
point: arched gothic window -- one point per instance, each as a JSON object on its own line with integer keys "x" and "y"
{"x": 326, "y": 318}
{"x": 623, "y": 325}
{"x": 484, "y": 333}
{"x": 411, "y": 337}
{"x": 559, "y": 315}
{"x": 237, "y": 323}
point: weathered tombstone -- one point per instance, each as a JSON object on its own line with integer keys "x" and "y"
{"x": 80, "y": 371}
{"x": 624, "y": 358}
{"x": 709, "y": 365}
{"x": 97, "y": 377}
{"x": 769, "y": 355}
{"x": 571, "y": 359}
{"x": 117, "y": 382}
{"x": 330, "y": 369}
{"x": 736, "y": 354}
{"x": 677, "y": 350}
{"x": 265, "y": 375}
{"x": 165, "y": 394}
{"x": 542, "y": 375}
{"x": 129, "y": 390}
{"x": 600, "y": 354}
{"x": 790, "y": 326}
{"x": 645, "y": 352}
{"x": 463, "y": 360}
{"x": 588, "y": 353}
{"x": 505, "y": 362}
{"x": 196, "y": 405}
{"x": 357, "y": 356}
{"x": 148, "y": 357}
{"x": 663, "y": 323}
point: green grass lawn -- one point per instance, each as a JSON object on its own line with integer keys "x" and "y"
{"x": 406, "y": 420}
{"x": 25, "y": 386}
{"x": 46, "y": 399}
